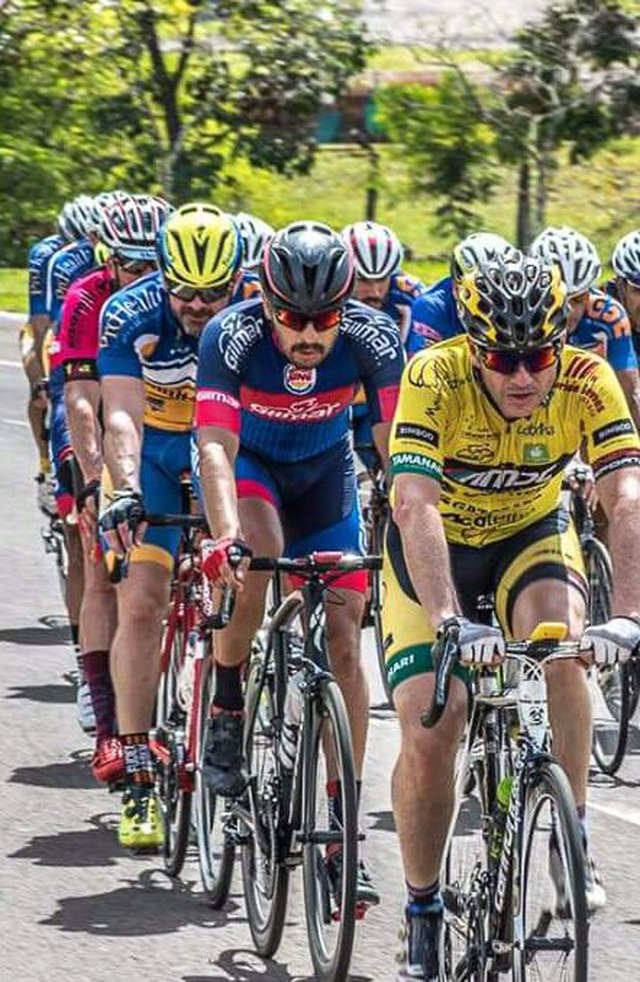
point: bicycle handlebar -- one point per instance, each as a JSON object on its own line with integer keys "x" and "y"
{"x": 316, "y": 562}
{"x": 188, "y": 521}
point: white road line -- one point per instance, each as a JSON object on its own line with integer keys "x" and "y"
{"x": 14, "y": 422}
{"x": 627, "y": 813}
{"x": 10, "y": 364}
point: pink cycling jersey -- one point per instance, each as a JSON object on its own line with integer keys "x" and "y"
{"x": 80, "y": 327}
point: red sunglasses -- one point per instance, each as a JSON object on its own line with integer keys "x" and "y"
{"x": 508, "y": 362}
{"x": 294, "y": 321}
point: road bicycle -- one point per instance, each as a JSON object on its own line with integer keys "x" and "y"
{"x": 296, "y": 721}
{"x": 374, "y": 504}
{"x": 55, "y": 545}
{"x": 182, "y": 708}
{"x": 614, "y": 688}
{"x": 513, "y": 878}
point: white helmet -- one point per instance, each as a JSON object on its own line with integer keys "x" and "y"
{"x": 376, "y": 250}
{"x": 255, "y": 234}
{"x": 129, "y": 226}
{"x": 74, "y": 221}
{"x": 100, "y": 203}
{"x": 626, "y": 257}
{"x": 573, "y": 252}
{"x": 477, "y": 249}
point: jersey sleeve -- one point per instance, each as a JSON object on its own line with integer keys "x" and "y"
{"x": 418, "y": 433}
{"x": 612, "y": 440}
{"x": 620, "y": 351}
{"x": 218, "y": 379}
{"x": 379, "y": 356}
{"x": 117, "y": 354}
{"x": 37, "y": 284}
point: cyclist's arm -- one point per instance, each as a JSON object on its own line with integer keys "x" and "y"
{"x": 123, "y": 402}
{"x": 629, "y": 380}
{"x": 82, "y": 401}
{"x": 619, "y": 494}
{"x": 218, "y": 448}
{"x": 426, "y": 553}
{"x": 381, "y": 433}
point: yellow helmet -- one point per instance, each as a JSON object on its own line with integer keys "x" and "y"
{"x": 514, "y": 303}
{"x": 199, "y": 246}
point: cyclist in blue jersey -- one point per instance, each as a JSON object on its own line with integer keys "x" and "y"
{"x": 276, "y": 379}
{"x": 150, "y": 334}
{"x": 625, "y": 287}
{"x": 596, "y": 320}
{"x": 435, "y": 313}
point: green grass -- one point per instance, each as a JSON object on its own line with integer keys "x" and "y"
{"x": 599, "y": 198}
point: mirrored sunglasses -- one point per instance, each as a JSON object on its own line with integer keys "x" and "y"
{"x": 295, "y": 321}
{"x": 508, "y": 362}
{"x": 208, "y": 294}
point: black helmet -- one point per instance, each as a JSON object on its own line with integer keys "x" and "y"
{"x": 307, "y": 267}
{"x": 513, "y": 303}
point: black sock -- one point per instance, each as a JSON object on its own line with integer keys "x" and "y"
{"x": 138, "y": 762}
{"x": 334, "y": 802}
{"x": 75, "y": 634}
{"x": 228, "y": 688}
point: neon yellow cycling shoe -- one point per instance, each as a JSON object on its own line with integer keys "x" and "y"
{"x": 140, "y": 824}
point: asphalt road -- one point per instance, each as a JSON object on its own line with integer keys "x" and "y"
{"x": 75, "y": 907}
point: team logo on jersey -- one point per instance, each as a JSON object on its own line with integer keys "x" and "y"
{"x": 299, "y": 381}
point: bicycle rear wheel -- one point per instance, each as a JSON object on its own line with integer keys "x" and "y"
{"x": 374, "y": 529}
{"x": 330, "y": 907}
{"x": 173, "y": 795}
{"x": 611, "y": 686}
{"x": 550, "y": 927}
{"x": 216, "y": 849}
{"x": 264, "y": 875}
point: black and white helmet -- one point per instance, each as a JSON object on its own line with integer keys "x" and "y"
{"x": 377, "y": 252}
{"x": 255, "y": 234}
{"x": 576, "y": 256}
{"x": 626, "y": 257}
{"x": 129, "y": 226}
{"x": 308, "y": 268}
{"x": 476, "y": 250}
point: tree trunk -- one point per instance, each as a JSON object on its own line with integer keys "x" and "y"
{"x": 523, "y": 219}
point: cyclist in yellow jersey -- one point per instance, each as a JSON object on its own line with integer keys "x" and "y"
{"x": 484, "y": 426}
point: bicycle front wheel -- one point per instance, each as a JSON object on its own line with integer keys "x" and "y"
{"x": 264, "y": 875}
{"x": 550, "y": 929}
{"x": 330, "y": 878}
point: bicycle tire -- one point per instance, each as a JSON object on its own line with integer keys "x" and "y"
{"x": 374, "y": 530}
{"x": 330, "y": 965}
{"x": 537, "y": 953}
{"x": 216, "y": 850}
{"x": 265, "y": 877}
{"x": 611, "y": 685}
{"x": 175, "y": 800}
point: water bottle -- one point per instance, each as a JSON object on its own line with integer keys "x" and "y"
{"x": 293, "y": 703}
{"x": 500, "y": 811}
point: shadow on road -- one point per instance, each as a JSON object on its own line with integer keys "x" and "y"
{"x": 73, "y": 774}
{"x": 382, "y": 821}
{"x": 243, "y": 965}
{"x": 50, "y": 630}
{"x": 43, "y": 693}
{"x": 94, "y": 846}
{"x": 152, "y": 904}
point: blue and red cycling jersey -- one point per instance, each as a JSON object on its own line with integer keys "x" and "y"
{"x": 435, "y": 317}
{"x": 285, "y": 413}
{"x": 39, "y": 255}
{"x": 404, "y": 292}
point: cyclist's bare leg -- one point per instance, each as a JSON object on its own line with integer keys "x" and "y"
{"x": 75, "y": 578}
{"x": 344, "y": 617}
{"x": 262, "y": 531}
{"x": 423, "y": 778}
{"x": 135, "y": 653}
{"x": 569, "y": 699}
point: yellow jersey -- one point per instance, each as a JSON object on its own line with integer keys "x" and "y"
{"x": 499, "y": 475}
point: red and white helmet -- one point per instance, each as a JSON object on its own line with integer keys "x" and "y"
{"x": 129, "y": 226}
{"x": 576, "y": 256}
{"x": 255, "y": 234}
{"x": 376, "y": 250}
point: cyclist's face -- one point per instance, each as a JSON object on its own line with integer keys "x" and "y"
{"x": 519, "y": 394}
{"x": 306, "y": 348}
{"x": 126, "y": 273}
{"x": 372, "y": 292}
{"x": 577, "y": 310}
{"x": 194, "y": 314}
{"x": 630, "y": 296}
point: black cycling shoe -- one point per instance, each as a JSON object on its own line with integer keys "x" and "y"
{"x": 366, "y": 893}
{"x": 223, "y": 768}
{"x": 420, "y": 957}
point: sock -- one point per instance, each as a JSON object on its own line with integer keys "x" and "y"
{"x": 334, "y": 802}
{"x": 75, "y": 634}
{"x": 95, "y": 668}
{"x": 424, "y": 900}
{"x": 228, "y": 693}
{"x": 138, "y": 762}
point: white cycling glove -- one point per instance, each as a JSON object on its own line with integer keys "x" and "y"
{"x": 614, "y": 641}
{"x": 479, "y": 644}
